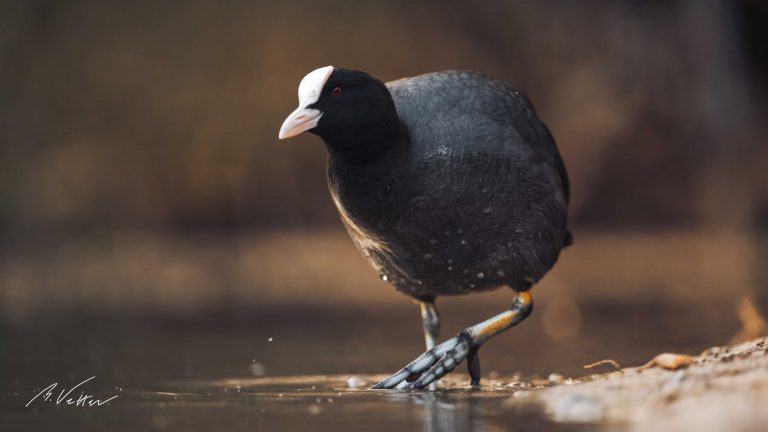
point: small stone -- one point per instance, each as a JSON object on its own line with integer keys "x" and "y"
{"x": 578, "y": 408}
{"x": 555, "y": 378}
{"x": 355, "y": 382}
{"x": 521, "y": 385}
{"x": 670, "y": 361}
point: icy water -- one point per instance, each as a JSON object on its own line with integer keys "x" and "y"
{"x": 289, "y": 369}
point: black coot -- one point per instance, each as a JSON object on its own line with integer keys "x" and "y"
{"x": 449, "y": 184}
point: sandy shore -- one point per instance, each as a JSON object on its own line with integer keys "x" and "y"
{"x": 725, "y": 388}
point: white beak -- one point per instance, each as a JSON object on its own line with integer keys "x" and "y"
{"x": 300, "y": 120}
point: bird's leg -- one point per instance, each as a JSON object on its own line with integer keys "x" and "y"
{"x": 430, "y": 320}
{"x": 443, "y": 358}
{"x": 473, "y": 367}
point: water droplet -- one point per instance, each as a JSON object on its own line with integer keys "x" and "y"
{"x": 480, "y": 275}
{"x": 428, "y": 256}
{"x": 270, "y": 339}
{"x": 487, "y": 210}
{"x": 384, "y": 277}
{"x": 500, "y": 273}
{"x": 464, "y": 242}
{"x": 471, "y": 285}
{"x": 257, "y": 369}
{"x": 450, "y": 268}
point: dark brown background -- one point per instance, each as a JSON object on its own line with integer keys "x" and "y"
{"x": 141, "y": 177}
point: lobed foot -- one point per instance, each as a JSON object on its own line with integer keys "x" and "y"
{"x": 430, "y": 366}
{"x": 442, "y": 359}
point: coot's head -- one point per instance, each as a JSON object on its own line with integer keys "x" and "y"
{"x": 351, "y": 111}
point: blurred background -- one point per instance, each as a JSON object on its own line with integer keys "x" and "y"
{"x": 151, "y": 224}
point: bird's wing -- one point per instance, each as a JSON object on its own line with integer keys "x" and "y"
{"x": 462, "y": 111}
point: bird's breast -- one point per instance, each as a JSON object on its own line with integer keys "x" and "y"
{"x": 442, "y": 229}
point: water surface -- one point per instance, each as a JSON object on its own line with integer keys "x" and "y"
{"x": 288, "y": 368}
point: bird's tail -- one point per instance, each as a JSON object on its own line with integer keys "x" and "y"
{"x": 568, "y": 240}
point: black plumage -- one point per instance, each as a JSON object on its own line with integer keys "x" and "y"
{"x": 448, "y": 183}
{"x": 464, "y": 191}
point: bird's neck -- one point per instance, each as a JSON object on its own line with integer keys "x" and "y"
{"x": 359, "y": 144}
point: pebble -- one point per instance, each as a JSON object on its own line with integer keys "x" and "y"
{"x": 578, "y": 408}
{"x": 555, "y": 378}
{"x": 355, "y": 382}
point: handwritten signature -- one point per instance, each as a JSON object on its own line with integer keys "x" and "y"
{"x": 82, "y": 400}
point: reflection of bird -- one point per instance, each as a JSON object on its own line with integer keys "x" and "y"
{"x": 449, "y": 184}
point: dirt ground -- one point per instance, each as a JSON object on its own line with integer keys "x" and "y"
{"x": 724, "y": 388}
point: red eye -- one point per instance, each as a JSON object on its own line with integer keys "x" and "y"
{"x": 336, "y": 91}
